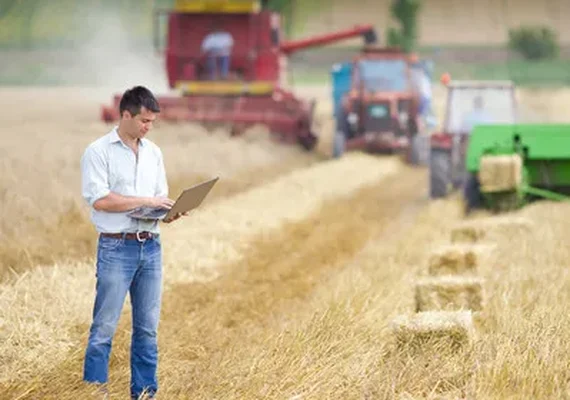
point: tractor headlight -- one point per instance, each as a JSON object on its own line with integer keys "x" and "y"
{"x": 403, "y": 117}
{"x": 352, "y": 118}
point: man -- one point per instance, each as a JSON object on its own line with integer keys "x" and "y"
{"x": 217, "y": 46}
{"x": 476, "y": 117}
{"x": 421, "y": 83}
{"x": 122, "y": 171}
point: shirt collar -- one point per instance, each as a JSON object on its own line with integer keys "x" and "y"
{"x": 114, "y": 138}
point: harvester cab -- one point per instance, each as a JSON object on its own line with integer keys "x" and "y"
{"x": 252, "y": 89}
{"x": 378, "y": 103}
{"x": 469, "y": 104}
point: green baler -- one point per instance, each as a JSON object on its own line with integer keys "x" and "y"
{"x": 545, "y": 171}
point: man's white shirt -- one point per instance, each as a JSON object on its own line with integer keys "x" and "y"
{"x": 109, "y": 165}
{"x": 218, "y": 42}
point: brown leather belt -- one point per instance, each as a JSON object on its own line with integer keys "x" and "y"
{"x": 140, "y": 236}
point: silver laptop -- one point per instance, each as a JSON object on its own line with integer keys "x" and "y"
{"x": 188, "y": 200}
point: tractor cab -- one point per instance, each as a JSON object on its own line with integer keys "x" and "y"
{"x": 472, "y": 102}
{"x": 378, "y": 73}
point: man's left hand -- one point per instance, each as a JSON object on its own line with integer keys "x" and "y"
{"x": 176, "y": 216}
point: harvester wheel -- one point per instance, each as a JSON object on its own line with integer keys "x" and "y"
{"x": 439, "y": 173}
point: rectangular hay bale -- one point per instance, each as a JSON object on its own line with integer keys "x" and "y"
{"x": 500, "y": 172}
{"x": 453, "y": 259}
{"x": 484, "y": 229}
{"x": 430, "y": 329}
{"x": 468, "y": 233}
{"x": 449, "y": 293}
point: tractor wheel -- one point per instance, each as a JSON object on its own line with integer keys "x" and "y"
{"x": 418, "y": 150}
{"x": 341, "y": 132}
{"x": 439, "y": 173}
{"x": 472, "y": 193}
{"x": 309, "y": 141}
{"x": 413, "y": 155}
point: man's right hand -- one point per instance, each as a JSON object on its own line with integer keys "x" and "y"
{"x": 160, "y": 202}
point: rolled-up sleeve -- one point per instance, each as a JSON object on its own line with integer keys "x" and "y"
{"x": 161, "y": 182}
{"x": 94, "y": 175}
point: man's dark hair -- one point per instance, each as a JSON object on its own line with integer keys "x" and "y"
{"x": 137, "y": 97}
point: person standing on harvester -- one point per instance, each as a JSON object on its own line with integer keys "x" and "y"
{"x": 217, "y": 46}
{"x": 121, "y": 171}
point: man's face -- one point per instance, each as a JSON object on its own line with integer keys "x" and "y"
{"x": 139, "y": 125}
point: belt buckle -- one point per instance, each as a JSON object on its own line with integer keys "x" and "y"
{"x": 139, "y": 239}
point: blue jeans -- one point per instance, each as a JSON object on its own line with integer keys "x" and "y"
{"x": 221, "y": 62}
{"x": 125, "y": 265}
{"x": 425, "y": 105}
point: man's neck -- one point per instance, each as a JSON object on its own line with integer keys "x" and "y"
{"x": 133, "y": 143}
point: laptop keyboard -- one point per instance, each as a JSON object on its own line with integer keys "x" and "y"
{"x": 151, "y": 212}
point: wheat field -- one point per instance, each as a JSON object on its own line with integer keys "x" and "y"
{"x": 284, "y": 285}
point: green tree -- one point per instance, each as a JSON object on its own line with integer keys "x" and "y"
{"x": 534, "y": 42}
{"x": 406, "y": 13}
{"x": 30, "y": 7}
{"x": 6, "y": 6}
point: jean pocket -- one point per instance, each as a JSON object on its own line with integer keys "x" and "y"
{"x": 110, "y": 243}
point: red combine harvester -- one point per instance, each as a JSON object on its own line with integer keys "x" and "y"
{"x": 254, "y": 92}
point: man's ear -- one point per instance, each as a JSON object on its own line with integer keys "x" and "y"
{"x": 126, "y": 115}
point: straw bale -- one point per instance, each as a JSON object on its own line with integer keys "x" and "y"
{"x": 500, "y": 173}
{"x": 468, "y": 233}
{"x": 449, "y": 293}
{"x": 487, "y": 228}
{"x": 454, "y": 259}
{"x": 429, "y": 329}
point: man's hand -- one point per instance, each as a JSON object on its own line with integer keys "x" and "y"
{"x": 160, "y": 202}
{"x": 178, "y": 215}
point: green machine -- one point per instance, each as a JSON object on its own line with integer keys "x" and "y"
{"x": 509, "y": 165}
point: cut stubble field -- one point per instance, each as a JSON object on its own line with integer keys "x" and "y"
{"x": 283, "y": 285}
